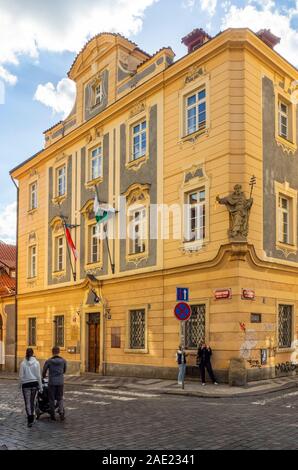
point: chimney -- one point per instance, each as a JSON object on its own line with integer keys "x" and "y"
{"x": 268, "y": 38}
{"x": 195, "y": 39}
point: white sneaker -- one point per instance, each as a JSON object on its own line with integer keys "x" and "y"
{"x": 215, "y": 383}
{"x": 203, "y": 384}
{"x": 179, "y": 383}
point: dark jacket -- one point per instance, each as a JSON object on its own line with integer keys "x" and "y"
{"x": 179, "y": 357}
{"x": 57, "y": 368}
{"x": 204, "y": 355}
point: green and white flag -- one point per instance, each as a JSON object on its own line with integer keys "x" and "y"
{"x": 102, "y": 211}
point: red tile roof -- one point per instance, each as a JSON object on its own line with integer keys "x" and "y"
{"x": 8, "y": 255}
{"x": 7, "y": 283}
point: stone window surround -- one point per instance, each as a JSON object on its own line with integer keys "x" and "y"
{"x": 88, "y": 209}
{"x": 289, "y": 145}
{"x": 292, "y": 304}
{"x": 137, "y": 196}
{"x": 285, "y": 190}
{"x": 194, "y": 85}
{"x": 127, "y": 330}
{"x": 194, "y": 184}
{"x": 32, "y": 245}
{"x": 57, "y": 232}
{"x": 130, "y": 123}
{"x": 60, "y": 162}
{"x": 96, "y": 142}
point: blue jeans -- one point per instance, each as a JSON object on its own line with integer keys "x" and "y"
{"x": 181, "y": 374}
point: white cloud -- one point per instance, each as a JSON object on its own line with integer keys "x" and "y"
{"x": 62, "y": 26}
{"x": 61, "y": 98}
{"x": 268, "y": 17}
{"x": 206, "y": 5}
{"x": 8, "y": 223}
{"x": 7, "y": 77}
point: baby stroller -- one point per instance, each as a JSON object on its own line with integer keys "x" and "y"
{"x": 42, "y": 401}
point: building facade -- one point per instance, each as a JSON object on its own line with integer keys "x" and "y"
{"x": 7, "y": 306}
{"x": 172, "y": 146}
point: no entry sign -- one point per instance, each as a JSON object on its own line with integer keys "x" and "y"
{"x": 182, "y": 311}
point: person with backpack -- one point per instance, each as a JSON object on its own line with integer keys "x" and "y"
{"x": 30, "y": 380}
{"x": 204, "y": 361}
{"x": 56, "y": 367}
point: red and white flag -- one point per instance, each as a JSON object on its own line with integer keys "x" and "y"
{"x": 71, "y": 243}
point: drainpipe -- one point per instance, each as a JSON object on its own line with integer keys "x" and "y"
{"x": 17, "y": 276}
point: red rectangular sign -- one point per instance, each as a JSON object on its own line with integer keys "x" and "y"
{"x": 222, "y": 294}
{"x": 248, "y": 294}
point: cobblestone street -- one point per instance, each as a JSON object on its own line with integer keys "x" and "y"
{"x": 99, "y": 417}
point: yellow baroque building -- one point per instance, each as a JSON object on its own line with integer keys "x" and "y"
{"x": 148, "y": 132}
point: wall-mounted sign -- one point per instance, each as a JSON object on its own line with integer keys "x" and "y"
{"x": 264, "y": 356}
{"x": 256, "y": 318}
{"x": 223, "y": 294}
{"x": 182, "y": 311}
{"x": 182, "y": 293}
{"x": 248, "y": 294}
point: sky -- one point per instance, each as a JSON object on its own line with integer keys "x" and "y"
{"x": 39, "y": 42}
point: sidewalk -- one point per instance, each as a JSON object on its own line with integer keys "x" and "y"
{"x": 192, "y": 387}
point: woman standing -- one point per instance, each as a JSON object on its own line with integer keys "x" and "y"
{"x": 30, "y": 379}
{"x": 203, "y": 361}
{"x": 181, "y": 361}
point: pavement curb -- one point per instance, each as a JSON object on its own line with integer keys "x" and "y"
{"x": 178, "y": 392}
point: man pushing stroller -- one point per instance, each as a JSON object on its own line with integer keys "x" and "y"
{"x": 56, "y": 366}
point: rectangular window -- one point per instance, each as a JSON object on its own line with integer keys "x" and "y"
{"x": 285, "y": 326}
{"x": 195, "y": 327}
{"x": 32, "y": 261}
{"x": 285, "y": 222}
{"x": 138, "y": 231}
{"x": 59, "y": 253}
{"x": 98, "y": 94}
{"x": 32, "y": 332}
{"x": 139, "y": 140}
{"x": 137, "y": 322}
{"x": 196, "y": 215}
{"x": 283, "y": 119}
{"x": 195, "y": 114}
{"x": 33, "y": 196}
{"x": 95, "y": 164}
{"x": 61, "y": 180}
{"x": 94, "y": 244}
{"x": 115, "y": 337}
{"x": 59, "y": 331}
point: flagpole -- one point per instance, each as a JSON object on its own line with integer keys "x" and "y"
{"x": 106, "y": 236}
{"x": 74, "y": 274}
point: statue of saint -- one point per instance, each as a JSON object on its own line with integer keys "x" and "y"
{"x": 239, "y": 209}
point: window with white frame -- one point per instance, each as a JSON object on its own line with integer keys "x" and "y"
{"x": 139, "y": 140}
{"x": 59, "y": 253}
{"x": 196, "y": 215}
{"x": 283, "y": 119}
{"x": 95, "y": 163}
{"x": 138, "y": 230}
{"x": 94, "y": 244}
{"x": 284, "y": 219}
{"x": 32, "y": 261}
{"x": 97, "y": 94}
{"x": 195, "y": 111}
{"x": 33, "y": 196}
{"x": 61, "y": 180}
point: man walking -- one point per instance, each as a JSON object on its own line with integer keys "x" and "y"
{"x": 56, "y": 366}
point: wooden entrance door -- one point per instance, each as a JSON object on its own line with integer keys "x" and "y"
{"x": 93, "y": 342}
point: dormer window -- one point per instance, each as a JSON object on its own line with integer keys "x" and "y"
{"x": 97, "y": 94}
